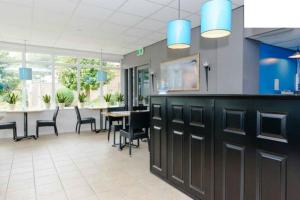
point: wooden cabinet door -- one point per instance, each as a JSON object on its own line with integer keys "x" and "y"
{"x": 199, "y": 153}
{"x": 176, "y": 138}
{"x": 257, "y": 151}
{"x": 158, "y": 135}
{"x": 277, "y": 155}
{"x": 234, "y": 134}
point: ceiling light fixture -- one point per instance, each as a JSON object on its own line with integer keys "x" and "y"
{"x": 296, "y": 55}
{"x": 216, "y": 18}
{"x": 179, "y": 32}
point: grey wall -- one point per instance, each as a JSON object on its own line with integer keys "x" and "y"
{"x": 225, "y": 56}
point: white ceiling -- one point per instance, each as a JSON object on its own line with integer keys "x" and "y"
{"x": 116, "y": 26}
{"x": 288, "y": 38}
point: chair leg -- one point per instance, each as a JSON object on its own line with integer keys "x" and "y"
{"x": 37, "y": 131}
{"x": 92, "y": 126}
{"x": 114, "y": 136}
{"x": 138, "y": 142}
{"x": 15, "y": 133}
{"x": 76, "y": 129}
{"x": 55, "y": 129}
{"x": 79, "y": 125}
{"x": 120, "y": 142}
{"x": 130, "y": 141}
{"x": 108, "y": 134}
{"x": 95, "y": 126}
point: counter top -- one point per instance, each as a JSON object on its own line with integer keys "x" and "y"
{"x": 271, "y": 96}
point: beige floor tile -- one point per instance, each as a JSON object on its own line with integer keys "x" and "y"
{"x": 79, "y": 167}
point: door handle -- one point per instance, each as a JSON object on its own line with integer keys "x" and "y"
{"x": 157, "y": 128}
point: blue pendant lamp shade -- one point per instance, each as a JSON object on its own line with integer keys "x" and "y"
{"x": 179, "y": 34}
{"x": 102, "y": 76}
{"x": 25, "y": 73}
{"x": 216, "y": 18}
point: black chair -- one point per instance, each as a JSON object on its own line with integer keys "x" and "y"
{"x": 139, "y": 123}
{"x": 10, "y": 125}
{"x": 87, "y": 120}
{"x": 111, "y": 121}
{"x": 139, "y": 107}
{"x": 44, "y": 123}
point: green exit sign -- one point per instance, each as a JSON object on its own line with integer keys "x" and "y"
{"x": 140, "y": 52}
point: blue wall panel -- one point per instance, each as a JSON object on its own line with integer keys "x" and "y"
{"x": 275, "y": 64}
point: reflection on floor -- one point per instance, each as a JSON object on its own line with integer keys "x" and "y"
{"x": 83, "y": 167}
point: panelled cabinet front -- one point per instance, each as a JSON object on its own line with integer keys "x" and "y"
{"x": 256, "y": 151}
{"x": 158, "y": 160}
{"x": 190, "y": 145}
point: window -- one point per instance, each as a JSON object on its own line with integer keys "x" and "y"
{"x": 41, "y": 83}
{"x": 9, "y": 74}
{"x": 67, "y": 74}
{"x": 66, "y": 77}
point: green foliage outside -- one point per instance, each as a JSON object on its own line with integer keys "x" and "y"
{"x": 65, "y": 95}
{"x": 88, "y": 75}
{"x": 8, "y": 80}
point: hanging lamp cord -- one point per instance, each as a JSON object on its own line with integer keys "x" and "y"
{"x": 178, "y": 9}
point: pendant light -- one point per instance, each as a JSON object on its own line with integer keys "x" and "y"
{"x": 24, "y": 72}
{"x": 216, "y": 18}
{"x": 295, "y": 55}
{"x": 179, "y": 32}
{"x": 101, "y": 75}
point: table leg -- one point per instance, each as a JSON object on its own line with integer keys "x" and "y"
{"x": 25, "y": 129}
{"x": 101, "y": 122}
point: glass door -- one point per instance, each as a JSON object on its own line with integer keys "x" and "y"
{"x": 143, "y": 85}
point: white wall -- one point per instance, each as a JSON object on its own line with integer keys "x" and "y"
{"x": 66, "y": 121}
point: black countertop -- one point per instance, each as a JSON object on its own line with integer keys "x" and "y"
{"x": 271, "y": 96}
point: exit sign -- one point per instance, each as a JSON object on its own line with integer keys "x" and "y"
{"x": 140, "y": 52}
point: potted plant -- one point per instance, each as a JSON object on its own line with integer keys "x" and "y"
{"x": 61, "y": 99}
{"x": 47, "y": 99}
{"x": 107, "y": 98}
{"x": 141, "y": 99}
{"x": 82, "y": 98}
{"x": 12, "y": 99}
{"x": 119, "y": 98}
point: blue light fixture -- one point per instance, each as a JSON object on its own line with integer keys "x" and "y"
{"x": 25, "y": 73}
{"x": 179, "y": 33}
{"x": 102, "y": 76}
{"x": 216, "y": 18}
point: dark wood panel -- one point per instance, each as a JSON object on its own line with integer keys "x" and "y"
{"x": 233, "y": 172}
{"x": 177, "y": 157}
{"x": 158, "y": 135}
{"x": 271, "y": 176}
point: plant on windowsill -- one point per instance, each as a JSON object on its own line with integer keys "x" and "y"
{"x": 11, "y": 98}
{"x": 141, "y": 99}
{"x": 82, "y": 99}
{"x": 119, "y": 98}
{"x": 46, "y": 100}
{"x": 61, "y": 99}
{"x": 107, "y": 98}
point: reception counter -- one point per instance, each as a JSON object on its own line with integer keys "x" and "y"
{"x": 227, "y": 147}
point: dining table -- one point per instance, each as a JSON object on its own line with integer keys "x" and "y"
{"x": 25, "y": 113}
{"x": 101, "y": 110}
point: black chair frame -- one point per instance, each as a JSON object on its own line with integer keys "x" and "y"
{"x": 10, "y": 125}
{"x": 87, "y": 120}
{"x": 45, "y": 123}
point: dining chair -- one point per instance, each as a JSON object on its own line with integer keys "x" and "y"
{"x": 45, "y": 123}
{"x": 86, "y": 120}
{"x": 139, "y": 123}
{"x": 119, "y": 120}
{"x": 10, "y": 125}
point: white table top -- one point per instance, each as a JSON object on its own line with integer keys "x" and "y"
{"x": 25, "y": 110}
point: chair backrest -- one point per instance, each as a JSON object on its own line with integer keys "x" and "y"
{"x": 140, "y": 107}
{"x": 77, "y": 113}
{"x": 139, "y": 120}
{"x": 55, "y": 113}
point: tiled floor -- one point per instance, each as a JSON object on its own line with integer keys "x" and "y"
{"x": 83, "y": 167}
